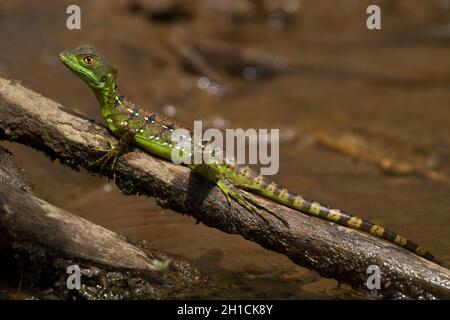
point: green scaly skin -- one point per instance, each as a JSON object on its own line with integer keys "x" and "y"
{"x": 152, "y": 132}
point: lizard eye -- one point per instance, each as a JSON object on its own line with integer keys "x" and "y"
{"x": 88, "y": 60}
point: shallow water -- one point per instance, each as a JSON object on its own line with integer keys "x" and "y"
{"x": 389, "y": 89}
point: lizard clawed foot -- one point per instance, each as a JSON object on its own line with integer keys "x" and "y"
{"x": 112, "y": 153}
{"x": 244, "y": 200}
{"x": 265, "y": 208}
{"x": 110, "y": 144}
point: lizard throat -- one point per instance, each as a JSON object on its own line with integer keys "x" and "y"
{"x": 108, "y": 97}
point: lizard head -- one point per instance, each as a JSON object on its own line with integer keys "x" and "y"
{"x": 90, "y": 66}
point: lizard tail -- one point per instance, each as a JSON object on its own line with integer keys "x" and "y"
{"x": 283, "y": 196}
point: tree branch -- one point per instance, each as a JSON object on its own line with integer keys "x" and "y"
{"x": 331, "y": 250}
{"x": 42, "y": 240}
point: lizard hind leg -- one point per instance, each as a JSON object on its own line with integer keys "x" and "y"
{"x": 253, "y": 206}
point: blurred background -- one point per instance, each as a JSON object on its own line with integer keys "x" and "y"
{"x": 364, "y": 115}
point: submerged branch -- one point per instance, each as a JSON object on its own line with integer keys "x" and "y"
{"x": 331, "y": 250}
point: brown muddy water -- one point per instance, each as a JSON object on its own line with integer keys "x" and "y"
{"x": 383, "y": 93}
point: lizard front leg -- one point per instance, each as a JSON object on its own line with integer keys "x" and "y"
{"x": 115, "y": 150}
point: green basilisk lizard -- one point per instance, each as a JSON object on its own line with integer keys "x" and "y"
{"x": 152, "y": 133}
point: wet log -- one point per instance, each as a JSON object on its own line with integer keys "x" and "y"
{"x": 10, "y": 172}
{"x": 109, "y": 263}
{"x": 32, "y": 227}
{"x": 333, "y": 251}
{"x": 25, "y": 217}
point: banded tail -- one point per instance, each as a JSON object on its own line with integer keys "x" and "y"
{"x": 271, "y": 190}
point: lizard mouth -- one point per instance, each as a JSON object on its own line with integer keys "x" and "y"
{"x": 63, "y": 59}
